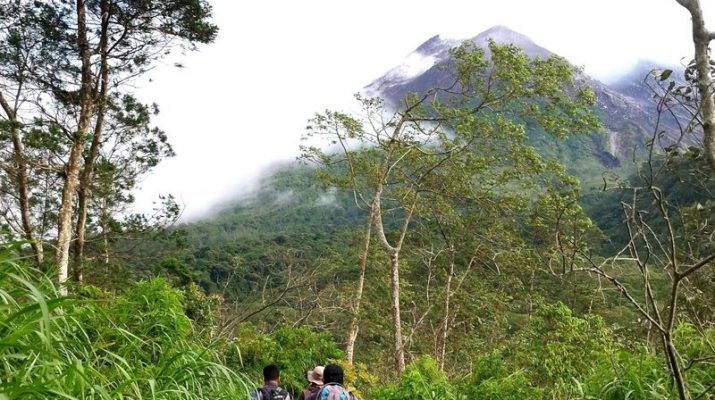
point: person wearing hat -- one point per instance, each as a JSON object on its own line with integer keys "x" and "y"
{"x": 315, "y": 379}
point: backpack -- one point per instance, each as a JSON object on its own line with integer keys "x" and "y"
{"x": 334, "y": 391}
{"x": 264, "y": 393}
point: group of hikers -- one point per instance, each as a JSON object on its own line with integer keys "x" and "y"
{"x": 324, "y": 383}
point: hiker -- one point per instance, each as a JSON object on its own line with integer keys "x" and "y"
{"x": 333, "y": 388}
{"x": 270, "y": 389}
{"x": 315, "y": 381}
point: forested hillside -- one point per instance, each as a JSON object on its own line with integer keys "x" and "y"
{"x": 492, "y": 225}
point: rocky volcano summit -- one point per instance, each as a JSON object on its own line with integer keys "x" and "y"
{"x": 627, "y": 107}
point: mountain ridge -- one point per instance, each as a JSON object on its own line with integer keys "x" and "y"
{"x": 626, "y": 108}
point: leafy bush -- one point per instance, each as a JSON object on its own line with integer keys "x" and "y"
{"x": 697, "y": 348}
{"x": 201, "y": 308}
{"x": 152, "y": 341}
{"x": 636, "y": 375}
{"x": 421, "y": 380}
{"x": 558, "y": 347}
{"x": 543, "y": 361}
{"x": 138, "y": 345}
{"x": 491, "y": 379}
{"x": 295, "y": 350}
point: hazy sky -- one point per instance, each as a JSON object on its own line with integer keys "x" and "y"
{"x": 242, "y": 102}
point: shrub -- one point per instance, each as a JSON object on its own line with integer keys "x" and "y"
{"x": 696, "y": 347}
{"x": 295, "y": 350}
{"x": 138, "y": 345}
{"x": 421, "y": 380}
{"x": 491, "y": 378}
{"x": 634, "y": 375}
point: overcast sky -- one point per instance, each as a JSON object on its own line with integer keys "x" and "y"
{"x": 242, "y": 102}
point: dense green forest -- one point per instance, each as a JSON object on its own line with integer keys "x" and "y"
{"x": 475, "y": 240}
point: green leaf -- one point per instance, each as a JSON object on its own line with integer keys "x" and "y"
{"x": 665, "y": 74}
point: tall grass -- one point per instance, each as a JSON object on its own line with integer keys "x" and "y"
{"x": 139, "y": 345}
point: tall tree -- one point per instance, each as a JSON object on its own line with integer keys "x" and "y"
{"x": 131, "y": 148}
{"x": 88, "y": 50}
{"x": 73, "y": 165}
{"x": 20, "y": 38}
{"x": 701, "y": 41}
{"x": 446, "y": 141}
{"x": 357, "y": 300}
{"x": 145, "y": 31}
{"x": 666, "y": 239}
{"x": 86, "y": 173}
{"x": 18, "y": 171}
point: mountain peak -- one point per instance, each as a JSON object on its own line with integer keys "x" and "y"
{"x": 430, "y": 45}
{"x": 504, "y": 35}
{"x": 430, "y": 53}
{"x": 436, "y": 46}
{"x": 499, "y": 30}
{"x": 435, "y": 51}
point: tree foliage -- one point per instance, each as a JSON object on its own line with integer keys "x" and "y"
{"x": 78, "y": 137}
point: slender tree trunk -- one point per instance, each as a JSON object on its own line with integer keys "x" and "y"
{"x": 394, "y": 254}
{"x": 701, "y": 39}
{"x": 23, "y": 191}
{"x": 80, "y": 230}
{"x": 355, "y": 322}
{"x": 445, "y": 318}
{"x": 531, "y": 293}
{"x": 105, "y": 230}
{"x": 64, "y": 220}
{"x": 399, "y": 350}
{"x": 105, "y": 241}
{"x": 85, "y": 179}
{"x": 673, "y": 361}
{"x": 22, "y": 182}
{"x": 670, "y": 351}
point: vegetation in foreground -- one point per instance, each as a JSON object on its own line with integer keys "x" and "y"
{"x": 155, "y": 341}
{"x": 139, "y": 344}
{"x": 440, "y": 210}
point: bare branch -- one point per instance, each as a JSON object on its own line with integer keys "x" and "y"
{"x": 705, "y": 261}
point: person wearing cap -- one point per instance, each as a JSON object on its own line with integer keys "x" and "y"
{"x": 315, "y": 380}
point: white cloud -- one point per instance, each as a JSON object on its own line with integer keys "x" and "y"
{"x": 328, "y": 198}
{"x": 243, "y": 101}
{"x": 413, "y": 65}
